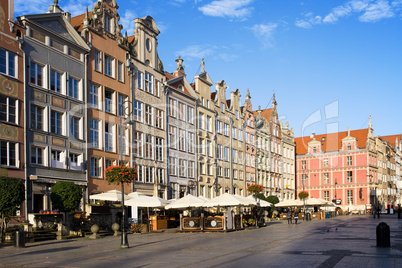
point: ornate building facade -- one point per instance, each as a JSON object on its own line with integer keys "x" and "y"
{"x": 288, "y": 161}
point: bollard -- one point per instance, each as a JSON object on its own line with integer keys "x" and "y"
{"x": 19, "y": 238}
{"x": 383, "y": 235}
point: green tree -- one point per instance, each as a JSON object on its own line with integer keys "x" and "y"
{"x": 273, "y": 199}
{"x": 66, "y": 196}
{"x": 12, "y": 194}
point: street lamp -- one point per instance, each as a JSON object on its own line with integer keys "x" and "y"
{"x": 304, "y": 178}
{"x": 123, "y": 112}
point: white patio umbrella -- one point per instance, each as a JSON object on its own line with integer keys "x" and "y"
{"x": 135, "y": 195}
{"x": 207, "y": 199}
{"x": 148, "y": 202}
{"x": 289, "y": 203}
{"x": 112, "y": 195}
{"x": 247, "y": 201}
{"x": 260, "y": 202}
{"x": 225, "y": 200}
{"x": 315, "y": 202}
{"x": 186, "y": 202}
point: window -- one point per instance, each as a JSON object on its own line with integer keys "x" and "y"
{"x": 160, "y": 178}
{"x": 234, "y": 133}
{"x": 55, "y": 81}
{"x": 209, "y": 123}
{"x": 8, "y": 61}
{"x": 235, "y": 174}
{"x": 172, "y": 137}
{"x": 237, "y": 114}
{"x": 227, "y": 172}
{"x": 234, "y": 155}
{"x": 241, "y": 175}
{"x": 247, "y": 159}
{"x": 252, "y": 139}
{"x": 139, "y": 80}
{"x": 149, "y": 87}
{"x": 222, "y": 107}
{"x": 73, "y": 88}
{"x": 36, "y": 117}
{"x": 148, "y": 146}
{"x": 304, "y": 179}
{"x": 158, "y": 118}
{"x": 57, "y": 159}
{"x": 36, "y": 155}
{"x": 108, "y": 163}
{"x": 201, "y": 146}
{"x": 109, "y": 61}
{"x": 98, "y": 61}
{"x": 75, "y": 161}
{"x": 93, "y": 96}
{"x": 109, "y": 101}
{"x": 182, "y": 167}
{"x": 120, "y": 71}
{"x": 190, "y": 144}
{"x": 326, "y": 195}
{"x": 172, "y": 166}
{"x": 148, "y": 114}
{"x": 219, "y": 151}
{"x": 202, "y": 168}
{"x": 8, "y": 153}
{"x": 226, "y": 153}
{"x": 325, "y": 162}
{"x": 94, "y": 133}
{"x": 36, "y": 74}
{"x": 252, "y": 158}
{"x": 201, "y": 121}
{"x": 182, "y": 111}
{"x": 240, "y": 137}
{"x": 172, "y": 107}
{"x": 314, "y": 150}
{"x": 247, "y": 137}
{"x": 8, "y": 109}
{"x": 74, "y": 127}
{"x": 219, "y": 127}
{"x": 326, "y": 178}
{"x": 95, "y": 168}
{"x": 225, "y": 129}
{"x": 158, "y": 149}
{"x": 219, "y": 171}
{"x": 109, "y": 137}
{"x": 107, "y": 23}
{"x": 121, "y": 105}
{"x": 303, "y": 164}
{"x": 209, "y": 148}
{"x": 349, "y": 176}
{"x": 138, "y": 144}
{"x": 190, "y": 169}
{"x": 137, "y": 111}
{"x": 349, "y": 196}
{"x": 349, "y": 146}
{"x": 349, "y": 160}
{"x": 182, "y": 136}
{"x": 210, "y": 170}
{"x": 157, "y": 88}
{"x": 123, "y": 140}
{"x": 55, "y": 122}
{"x": 190, "y": 115}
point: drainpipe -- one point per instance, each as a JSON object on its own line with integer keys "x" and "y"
{"x": 86, "y": 128}
{"x": 21, "y": 41}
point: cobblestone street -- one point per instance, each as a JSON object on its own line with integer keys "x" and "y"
{"x": 345, "y": 241}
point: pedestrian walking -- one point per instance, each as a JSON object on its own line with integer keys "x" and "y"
{"x": 296, "y": 216}
{"x": 289, "y": 216}
{"x": 378, "y": 212}
{"x": 374, "y": 212}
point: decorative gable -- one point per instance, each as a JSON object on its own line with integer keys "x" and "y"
{"x": 349, "y": 142}
{"x": 314, "y": 147}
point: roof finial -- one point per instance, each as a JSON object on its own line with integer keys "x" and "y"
{"x": 348, "y": 132}
{"x": 202, "y": 66}
{"x": 274, "y": 101}
{"x": 180, "y": 67}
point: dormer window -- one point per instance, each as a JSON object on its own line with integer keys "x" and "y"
{"x": 314, "y": 150}
{"x": 349, "y": 146}
{"x": 108, "y": 23}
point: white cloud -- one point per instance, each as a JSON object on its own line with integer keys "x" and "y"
{"x": 197, "y": 51}
{"x": 23, "y": 7}
{"x": 228, "y": 8}
{"x": 367, "y": 11}
{"x": 265, "y": 32}
{"x": 127, "y": 20}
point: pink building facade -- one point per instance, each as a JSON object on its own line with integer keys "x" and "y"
{"x": 339, "y": 166}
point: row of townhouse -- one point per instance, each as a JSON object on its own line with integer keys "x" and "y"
{"x": 354, "y": 169}
{"x": 78, "y": 96}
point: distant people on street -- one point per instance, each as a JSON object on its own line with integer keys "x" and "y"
{"x": 378, "y": 212}
{"x": 289, "y": 215}
{"x": 296, "y": 215}
{"x": 374, "y": 212}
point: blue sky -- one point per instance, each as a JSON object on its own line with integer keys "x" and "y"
{"x": 331, "y": 63}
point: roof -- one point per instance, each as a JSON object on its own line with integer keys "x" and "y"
{"x": 179, "y": 81}
{"x": 332, "y": 141}
{"x": 266, "y": 113}
{"x": 78, "y": 21}
{"x": 131, "y": 38}
{"x": 391, "y": 139}
{"x": 213, "y": 94}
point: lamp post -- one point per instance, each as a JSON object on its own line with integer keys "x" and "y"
{"x": 336, "y": 183}
{"x": 304, "y": 178}
{"x": 123, "y": 112}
